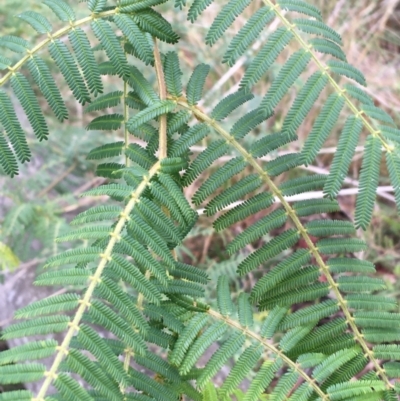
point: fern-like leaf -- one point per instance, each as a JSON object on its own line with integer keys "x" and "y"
{"x": 285, "y": 79}
{"x": 347, "y": 70}
{"x": 269, "y": 250}
{"x": 196, "y": 83}
{"x": 107, "y": 38}
{"x": 247, "y": 35}
{"x": 301, "y": 6}
{"x": 65, "y": 62}
{"x": 63, "y": 11}
{"x": 322, "y": 128}
{"x": 43, "y": 79}
{"x": 136, "y": 37}
{"x": 305, "y": 100}
{"x": 225, "y": 19}
{"x": 318, "y": 28}
{"x": 85, "y": 56}
{"x": 27, "y": 98}
{"x": 152, "y": 22}
{"x": 327, "y": 47}
{"x": 265, "y": 57}
{"x": 13, "y": 128}
{"x": 150, "y": 113}
{"x": 37, "y": 21}
{"x": 342, "y": 159}
{"x": 7, "y": 158}
{"x": 107, "y": 122}
{"x": 227, "y": 105}
{"x": 369, "y": 180}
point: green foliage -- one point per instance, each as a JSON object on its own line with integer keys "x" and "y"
{"x": 307, "y": 324}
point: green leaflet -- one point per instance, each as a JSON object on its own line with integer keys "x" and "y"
{"x": 130, "y": 5}
{"x": 18, "y": 395}
{"x": 189, "y": 138}
{"x": 224, "y": 300}
{"x": 102, "y": 352}
{"x": 63, "y": 11}
{"x": 347, "y": 70}
{"x": 265, "y": 57}
{"x": 211, "y": 334}
{"x": 393, "y": 165}
{"x": 270, "y": 143}
{"x": 369, "y": 180}
{"x": 92, "y": 373}
{"x": 233, "y": 194}
{"x": 219, "y": 358}
{"x": 217, "y": 179}
{"x": 197, "y": 7}
{"x": 262, "y": 380}
{"x": 150, "y": 113}
{"x": 111, "y": 99}
{"x": 173, "y": 74}
{"x": 14, "y": 43}
{"x": 12, "y": 374}
{"x": 322, "y": 127}
{"x": 328, "y": 47}
{"x": 327, "y": 228}
{"x": 318, "y": 28}
{"x": 305, "y": 100}
{"x": 42, "y": 76}
{"x": 32, "y": 350}
{"x": 96, "y": 6}
{"x": 7, "y": 158}
{"x": 51, "y": 305}
{"x": 107, "y": 318}
{"x": 134, "y": 277}
{"x": 281, "y": 271}
{"x": 42, "y": 325}
{"x": 136, "y": 37}
{"x": 247, "y": 123}
{"x": 301, "y": 6}
{"x": 227, "y": 105}
{"x": 342, "y": 159}
{"x": 37, "y": 21}
{"x": 272, "y": 221}
{"x": 13, "y": 129}
{"x": 107, "y": 38}
{"x": 247, "y": 35}
{"x": 285, "y": 79}
{"x": 215, "y": 150}
{"x": 269, "y": 250}
{"x": 105, "y": 151}
{"x": 152, "y": 22}
{"x": 65, "y": 62}
{"x": 4, "y": 62}
{"x": 186, "y": 338}
{"x": 85, "y": 56}
{"x": 245, "y": 311}
{"x": 245, "y": 363}
{"x": 196, "y": 83}
{"x": 303, "y": 184}
{"x": 247, "y": 208}
{"x": 224, "y": 19}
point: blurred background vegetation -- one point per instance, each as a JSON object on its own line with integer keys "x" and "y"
{"x": 35, "y": 206}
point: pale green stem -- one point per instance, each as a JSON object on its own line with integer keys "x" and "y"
{"x": 162, "y": 91}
